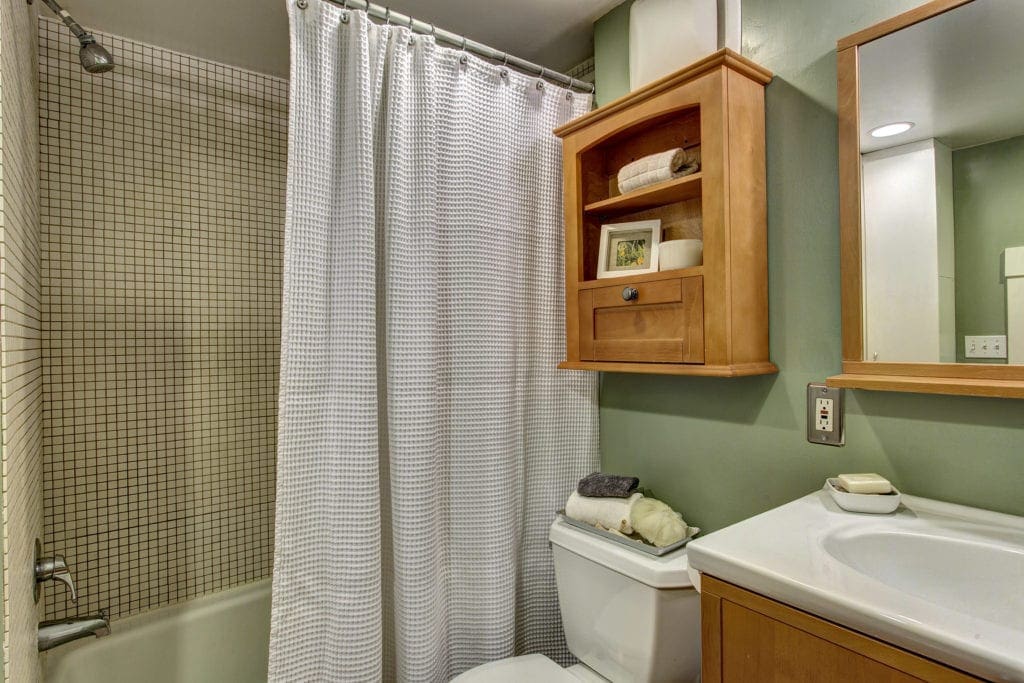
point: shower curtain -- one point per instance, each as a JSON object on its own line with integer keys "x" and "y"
{"x": 425, "y": 437}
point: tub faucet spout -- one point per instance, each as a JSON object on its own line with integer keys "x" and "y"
{"x": 60, "y": 631}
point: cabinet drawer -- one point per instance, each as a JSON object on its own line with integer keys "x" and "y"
{"x": 663, "y": 323}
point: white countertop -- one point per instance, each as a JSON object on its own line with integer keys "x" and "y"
{"x": 943, "y": 580}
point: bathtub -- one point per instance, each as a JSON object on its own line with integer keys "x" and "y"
{"x": 220, "y": 638}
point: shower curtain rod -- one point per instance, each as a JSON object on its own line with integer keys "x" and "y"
{"x": 461, "y": 42}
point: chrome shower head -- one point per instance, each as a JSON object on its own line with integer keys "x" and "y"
{"x": 94, "y": 57}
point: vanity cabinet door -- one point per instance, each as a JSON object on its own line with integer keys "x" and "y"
{"x": 747, "y": 637}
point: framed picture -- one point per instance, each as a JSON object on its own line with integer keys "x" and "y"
{"x": 629, "y": 248}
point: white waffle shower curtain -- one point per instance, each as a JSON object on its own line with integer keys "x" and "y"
{"x": 425, "y": 437}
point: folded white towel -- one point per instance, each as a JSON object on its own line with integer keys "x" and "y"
{"x": 657, "y": 168}
{"x": 611, "y": 513}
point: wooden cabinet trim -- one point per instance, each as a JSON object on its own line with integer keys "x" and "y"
{"x": 900, "y": 21}
{"x": 711, "y": 637}
{"x": 723, "y": 58}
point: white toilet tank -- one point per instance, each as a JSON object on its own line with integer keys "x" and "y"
{"x": 627, "y": 615}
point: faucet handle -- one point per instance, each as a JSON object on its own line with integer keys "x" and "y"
{"x": 55, "y": 569}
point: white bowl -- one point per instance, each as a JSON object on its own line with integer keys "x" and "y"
{"x": 675, "y": 254}
{"x": 874, "y": 503}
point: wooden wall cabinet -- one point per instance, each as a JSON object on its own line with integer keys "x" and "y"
{"x": 706, "y": 320}
{"x": 748, "y": 637}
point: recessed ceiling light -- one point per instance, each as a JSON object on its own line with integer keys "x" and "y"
{"x": 891, "y": 129}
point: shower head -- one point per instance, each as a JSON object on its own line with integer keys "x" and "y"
{"x": 95, "y": 59}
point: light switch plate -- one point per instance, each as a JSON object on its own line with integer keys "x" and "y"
{"x": 988, "y": 346}
{"x": 825, "y": 415}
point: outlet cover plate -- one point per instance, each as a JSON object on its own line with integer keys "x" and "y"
{"x": 987, "y": 346}
{"x": 818, "y": 395}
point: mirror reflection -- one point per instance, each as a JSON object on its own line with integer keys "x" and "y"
{"x": 942, "y": 158}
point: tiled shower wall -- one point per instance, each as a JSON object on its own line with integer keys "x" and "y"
{"x": 21, "y": 381}
{"x": 162, "y": 206}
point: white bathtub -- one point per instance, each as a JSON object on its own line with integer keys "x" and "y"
{"x": 221, "y": 638}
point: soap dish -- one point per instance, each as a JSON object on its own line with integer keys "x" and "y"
{"x": 875, "y": 503}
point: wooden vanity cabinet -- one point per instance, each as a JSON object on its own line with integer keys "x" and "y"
{"x": 711, "y": 319}
{"x": 747, "y": 637}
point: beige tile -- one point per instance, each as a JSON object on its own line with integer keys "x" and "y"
{"x": 160, "y": 321}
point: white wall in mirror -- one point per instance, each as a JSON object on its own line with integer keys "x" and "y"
{"x": 1013, "y": 264}
{"x": 908, "y": 254}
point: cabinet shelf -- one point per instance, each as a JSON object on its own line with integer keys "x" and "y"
{"x": 643, "y": 277}
{"x": 668, "y": 192}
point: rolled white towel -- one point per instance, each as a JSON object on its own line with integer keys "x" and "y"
{"x": 657, "y": 168}
{"x": 657, "y": 522}
{"x": 610, "y": 513}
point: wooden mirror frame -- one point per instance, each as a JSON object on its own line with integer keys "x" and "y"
{"x": 968, "y": 379}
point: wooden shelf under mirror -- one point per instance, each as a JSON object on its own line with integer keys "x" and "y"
{"x": 877, "y": 319}
{"x": 710, "y": 319}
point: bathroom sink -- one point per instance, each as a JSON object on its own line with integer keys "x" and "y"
{"x": 982, "y": 578}
{"x": 943, "y": 580}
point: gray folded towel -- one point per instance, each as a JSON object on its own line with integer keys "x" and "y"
{"x": 600, "y": 485}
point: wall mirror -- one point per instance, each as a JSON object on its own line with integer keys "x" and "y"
{"x": 931, "y": 146}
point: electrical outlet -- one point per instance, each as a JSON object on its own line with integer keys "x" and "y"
{"x": 988, "y": 346}
{"x": 824, "y": 409}
{"x": 825, "y": 415}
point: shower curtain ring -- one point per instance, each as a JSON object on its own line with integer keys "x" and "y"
{"x": 433, "y": 31}
{"x": 463, "y": 48}
{"x": 387, "y": 16}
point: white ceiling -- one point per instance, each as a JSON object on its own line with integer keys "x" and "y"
{"x": 254, "y": 33}
{"x": 959, "y": 77}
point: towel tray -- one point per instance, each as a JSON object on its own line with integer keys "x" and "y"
{"x": 629, "y": 541}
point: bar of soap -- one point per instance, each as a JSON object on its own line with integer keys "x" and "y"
{"x": 864, "y": 483}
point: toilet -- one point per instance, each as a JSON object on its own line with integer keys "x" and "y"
{"x": 628, "y": 617}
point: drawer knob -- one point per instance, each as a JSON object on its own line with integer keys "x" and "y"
{"x": 630, "y": 293}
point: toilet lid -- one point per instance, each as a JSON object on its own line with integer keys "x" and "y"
{"x": 532, "y": 668}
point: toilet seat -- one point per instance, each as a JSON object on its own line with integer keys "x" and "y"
{"x": 532, "y": 668}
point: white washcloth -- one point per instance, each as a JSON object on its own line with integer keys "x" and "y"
{"x": 657, "y": 168}
{"x": 611, "y": 513}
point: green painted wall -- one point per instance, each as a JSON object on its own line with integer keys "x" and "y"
{"x": 611, "y": 54}
{"x": 988, "y": 215}
{"x": 723, "y": 450}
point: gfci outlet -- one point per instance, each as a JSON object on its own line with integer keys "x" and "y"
{"x": 825, "y": 415}
{"x": 988, "y": 346}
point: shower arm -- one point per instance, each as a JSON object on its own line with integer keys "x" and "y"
{"x": 84, "y": 37}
